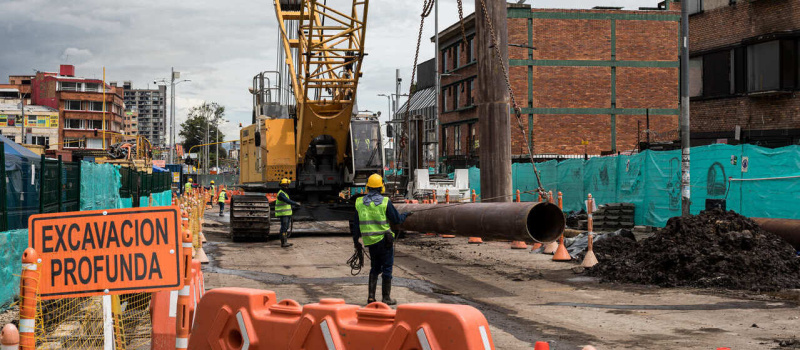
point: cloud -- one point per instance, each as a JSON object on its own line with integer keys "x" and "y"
{"x": 219, "y": 46}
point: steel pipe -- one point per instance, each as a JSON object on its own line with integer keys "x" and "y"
{"x": 788, "y": 229}
{"x": 527, "y": 221}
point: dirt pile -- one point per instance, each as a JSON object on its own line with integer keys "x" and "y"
{"x": 714, "y": 249}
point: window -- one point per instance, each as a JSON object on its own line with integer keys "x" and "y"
{"x": 71, "y": 105}
{"x": 95, "y": 106}
{"x": 445, "y": 91}
{"x": 716, "y": 74}
{"x": 470, "y": 92}
{"x": 74, "y": 143}
{"x": 40, "y": 140}
{"x": 763, "y": 66}
{"x": 444, "y": 60}
{"x": 695, "y": 6}
{"x": 92, "y": 87}
{"x": 457, "y": 140}
{"x": 74, "y": 124}
{"x": 696, "y": 76}
{"x": 69, "y": 86}
{"x": 457, "y": 49}
{"x": 470, "y": 50}
{"x": 444, "y": 141}
{"x": 473, "y": 138}
{"x": 456, "y": 92}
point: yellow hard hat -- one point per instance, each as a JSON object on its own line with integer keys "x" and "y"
{"x": 212, "y": 182}
{"x": 190, "y": 179}
{"x": 375, "y": 181}
{"x": 285, "y": 181}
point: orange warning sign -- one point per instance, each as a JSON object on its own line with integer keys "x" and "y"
{"x": 112, "y": 251}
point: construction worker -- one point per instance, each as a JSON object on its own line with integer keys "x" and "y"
{"x": 213, "y": 193}
{"x": 283, "y": 210}
{"x": 188, "y": 187}
{"x": 374, "y": 212}
{"x": 222, "y": 197}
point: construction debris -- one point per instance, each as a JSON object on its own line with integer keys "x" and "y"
{"x": 715, "y": 249}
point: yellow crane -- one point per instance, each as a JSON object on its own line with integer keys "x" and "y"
{"x": 310, "y": 135}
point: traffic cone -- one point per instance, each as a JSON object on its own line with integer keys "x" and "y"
{"x": 475, "y": 240}
{"x": 519, "y": 245}
{"x": 9, "y": 337}
{"x": 589, "y": 260}
{"x": 536, "y": 245}
{"x": 589, "y": 347}
{"x": 541, "y": 345}
{"x": 561, "y": 253}
{"x": 448, "y": 236}
{"x": 550, "y": 248}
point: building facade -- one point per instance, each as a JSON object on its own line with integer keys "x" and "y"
{"x": 151, "y": 108}
{"x": 41, "y": 124}
{"x": 80, "y": 102}
{"x": 588, "y": 81}
{"x": 131, "y": 123}
{"x": 745, "y": 72}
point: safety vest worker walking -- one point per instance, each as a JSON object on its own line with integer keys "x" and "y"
{"x": 283, "y": 211}
{"x": 222, "y": 197}
{"x": 187, "y": 188}
{"x": 374, "y": 213}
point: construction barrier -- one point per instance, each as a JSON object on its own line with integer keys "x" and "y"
{"x": 239, "y": 318}
{"x": 164, "y": 310}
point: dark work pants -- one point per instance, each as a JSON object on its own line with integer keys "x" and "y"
{"x": 382, "y": 257}
{"x": 221, "y": 207}
{"x": 286, "y": 221}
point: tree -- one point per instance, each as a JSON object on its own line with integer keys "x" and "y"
{"x": 201, "y": 119}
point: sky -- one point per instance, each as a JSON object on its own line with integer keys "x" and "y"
{"x": 218, "y": 45}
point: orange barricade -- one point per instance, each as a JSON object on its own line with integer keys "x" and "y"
{"x": 163, "y": 310}
{"x": 237, "y": 318}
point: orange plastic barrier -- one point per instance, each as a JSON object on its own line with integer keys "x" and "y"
{"x": 164, "y": 308}
{"x": 238, "y": 318}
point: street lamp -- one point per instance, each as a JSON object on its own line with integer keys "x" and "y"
{"x": 172, "y": 82}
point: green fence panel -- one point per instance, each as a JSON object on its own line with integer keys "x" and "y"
{"x": 712, "y": 166}
{"x": 570, "y": 183}
{"x": 475, "y": 179}
{"x": 600, "y": 179}
{"x": 12, "y": 244}
{"x": 100, "y": 186}
{"x": 772, "y": 187}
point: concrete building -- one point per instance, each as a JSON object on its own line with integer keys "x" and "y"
{"x": 589, "y": 85}
{"x": 131, "y": 123}
{"x": 745, "y": 72}
{"x": 423, "y": 106}
{"x": 41, "y": 124}
{"x": 79, "y": 102}
{"x": 151, "y": 106}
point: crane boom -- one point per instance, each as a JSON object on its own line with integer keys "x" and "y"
{"x": 325, "y": 68}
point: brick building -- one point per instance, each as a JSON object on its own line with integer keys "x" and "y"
{"x": 151, "y": 108}
{"x": 131, "y": 123}
{"x": 595, "y": 76}
{"x": 745, "y": 72}
{"x": 79, "y": 102}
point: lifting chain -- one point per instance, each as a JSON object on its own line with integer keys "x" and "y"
{"x": 515, "y": 106}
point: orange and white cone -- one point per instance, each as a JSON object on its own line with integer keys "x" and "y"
{"x": 550, "y": 248}
{"x": 561, "y": 253}
{"x": 519, "y": 245}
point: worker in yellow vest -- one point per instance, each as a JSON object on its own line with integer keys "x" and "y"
{"x": 222, "y": 197}
{"x": 374, "y": 213}
{"x": 283, "y": 211}
{"x": 187, "y": 188}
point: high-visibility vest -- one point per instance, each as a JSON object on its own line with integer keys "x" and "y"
{"x": 222, "y": 196}
{"x": 187, "y": 187}
{"x": 372, "y": 221}
{"x": 213, "y": 189}
{"x": 282, "y": 208}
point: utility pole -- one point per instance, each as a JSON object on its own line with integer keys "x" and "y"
{"x": 22, "y": 104}
{"x": 438, "y": 83}
{"x": 493, "y": 102}
{"x": 399, "y": 127}
{"x": 686, "y": 192}
{"x": 172, "y": 115}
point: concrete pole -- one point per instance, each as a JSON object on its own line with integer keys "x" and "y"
{"x": 493, "y": 103}
{"x": 399, "y": 127}
{"x": 172, "y": 116}
{"x": 685, "y": 120}
{"x": 438, "y": 83}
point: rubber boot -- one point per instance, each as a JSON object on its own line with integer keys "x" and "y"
{"x": 373, "y": 285}
{"x": 284, "y": 241}
{"x": 386, "y": 289}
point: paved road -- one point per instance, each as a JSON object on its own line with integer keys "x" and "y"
{"x": 526, "y": 297}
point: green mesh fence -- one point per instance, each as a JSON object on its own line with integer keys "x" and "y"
{"x": 12, "y": 244}
{"x": 100, "y": 186}
{"x": 754, "y": 181}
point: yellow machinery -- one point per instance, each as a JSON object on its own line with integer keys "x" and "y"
{"x": 304, "y": 124}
